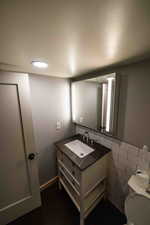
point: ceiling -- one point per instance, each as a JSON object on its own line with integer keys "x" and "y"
{"x": 73, "y": 36}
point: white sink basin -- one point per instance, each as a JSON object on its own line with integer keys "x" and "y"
{"x": 139, "y": 183}
{"x": 79, "y": 148}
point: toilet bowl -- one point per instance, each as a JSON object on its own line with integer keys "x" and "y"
{"x": 137, "y": 209}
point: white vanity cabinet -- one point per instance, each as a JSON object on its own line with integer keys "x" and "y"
{"x": 85, "y": 187}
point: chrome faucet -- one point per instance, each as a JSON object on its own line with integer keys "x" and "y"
{"x": 87, "y": 139}
{"x": 86, "y": 136}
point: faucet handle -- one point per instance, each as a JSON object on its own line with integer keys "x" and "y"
{"x": 148, "y": 189}
{"x": 91, "y": 141}
{"x": 83, "y": 137}
{"x": 86, "y": 136}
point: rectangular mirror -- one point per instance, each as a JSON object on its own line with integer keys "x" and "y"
{"x": 94, "y": 103}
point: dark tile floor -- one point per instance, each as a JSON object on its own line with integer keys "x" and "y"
{"x": 58, "y": 209}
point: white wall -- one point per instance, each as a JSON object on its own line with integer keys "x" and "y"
{"x": 50, "y": 98}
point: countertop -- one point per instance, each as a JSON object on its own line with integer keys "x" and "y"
{"x": 88, "y": 160}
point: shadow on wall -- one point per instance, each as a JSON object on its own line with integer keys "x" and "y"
{"x": 134, "y": 107}
{"x": 122, "y": 106}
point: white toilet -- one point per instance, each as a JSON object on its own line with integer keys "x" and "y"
{"x": 137, "y": 203}
{"x": 137, "y": 209}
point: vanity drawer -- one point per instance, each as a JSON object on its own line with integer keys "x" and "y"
{"x": 77, "y": 173}
{"x": 73, "y": 169}
{"x": 68, "y": 175}
{"x": 68, "y": 163}
{"x": 59, "y": 155}
{"x": 69, "y": 188}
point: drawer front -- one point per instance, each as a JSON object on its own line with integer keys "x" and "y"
{"x": 73, "y": 169}
{"x": 70, "y": 189}
{"x": 59, "y": 155}
{"x": 68, "y": 163}
{"x": 66, "y": 173}
{"x": 77, "y": 173}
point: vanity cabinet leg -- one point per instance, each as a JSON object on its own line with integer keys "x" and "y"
{"x": 105, "y": 196}
{"x": 105, "y": 192}
{"x": 81, "y": 219}
{"x": 59, "y": 185}
{"x": 81, "y": 202}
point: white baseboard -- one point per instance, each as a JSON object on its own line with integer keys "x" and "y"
{"x": 49, "y": 183}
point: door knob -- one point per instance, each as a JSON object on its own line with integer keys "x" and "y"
{"x": 31, "y": 156}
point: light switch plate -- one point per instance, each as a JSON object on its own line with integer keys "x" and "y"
{"x": 58, "y": 125}
{"x": 81, "y": 119}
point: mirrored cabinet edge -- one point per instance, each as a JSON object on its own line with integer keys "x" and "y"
{"x": 95, "y": 103}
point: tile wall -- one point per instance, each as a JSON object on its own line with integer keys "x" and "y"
{"x": 126, "y": 159}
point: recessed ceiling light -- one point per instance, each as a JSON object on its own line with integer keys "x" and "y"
{"x": 40, "y": 64}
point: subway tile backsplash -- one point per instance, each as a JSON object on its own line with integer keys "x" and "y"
{"x": 126, "y": 159}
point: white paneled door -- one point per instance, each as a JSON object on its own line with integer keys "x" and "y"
{"x": 19, "y": 186}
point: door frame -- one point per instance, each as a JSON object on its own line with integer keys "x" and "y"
{"x": 15, "y": 210}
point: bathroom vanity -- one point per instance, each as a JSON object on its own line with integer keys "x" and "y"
{"x": 84, "y": 178}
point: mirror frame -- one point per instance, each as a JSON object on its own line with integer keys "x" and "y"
{"x": 116, "y": 105}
